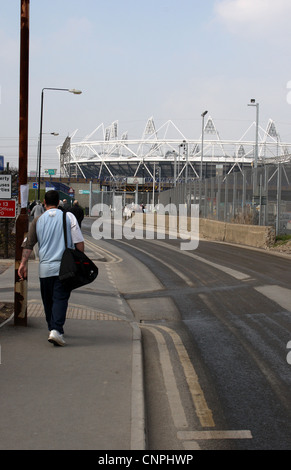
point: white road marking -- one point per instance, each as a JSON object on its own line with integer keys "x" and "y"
{"x": 169, "y": 266}
{"x": 231, "y": 272}
{"x": 101, "y": 251}
{"x": 280, "y": 295}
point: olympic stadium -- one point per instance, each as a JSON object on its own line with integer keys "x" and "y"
{"x": 166, "y": 154}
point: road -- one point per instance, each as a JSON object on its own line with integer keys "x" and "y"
{"x": 216, "y": 323}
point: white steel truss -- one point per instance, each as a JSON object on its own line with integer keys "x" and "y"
{"x": 167, "y": 145}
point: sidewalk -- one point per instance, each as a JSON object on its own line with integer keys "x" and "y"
{"x": 86, "y": 395}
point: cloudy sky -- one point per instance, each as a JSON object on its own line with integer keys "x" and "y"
{"x": 133, "y": 59}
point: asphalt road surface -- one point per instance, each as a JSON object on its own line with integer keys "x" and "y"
{"x": 216, "y": 324}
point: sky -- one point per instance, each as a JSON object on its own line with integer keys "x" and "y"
{"x": 134, "y": 59}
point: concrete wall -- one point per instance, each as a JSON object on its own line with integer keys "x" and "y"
{"x": 249, "y": 235}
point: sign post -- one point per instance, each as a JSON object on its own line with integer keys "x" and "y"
{"x": 71, "y": 194}
{"x": 20, "y": 287}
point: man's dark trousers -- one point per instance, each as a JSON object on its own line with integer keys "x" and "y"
{"x": 55, "y": 301}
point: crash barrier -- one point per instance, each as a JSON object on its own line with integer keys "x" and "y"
{"x": 241, "y": 234}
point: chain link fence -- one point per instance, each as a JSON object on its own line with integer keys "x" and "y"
{"x": 258, "y": 196}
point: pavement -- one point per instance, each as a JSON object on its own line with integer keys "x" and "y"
{"x": 87, "y": 395}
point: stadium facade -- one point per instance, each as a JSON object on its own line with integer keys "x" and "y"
{"x": 166, "y": 155}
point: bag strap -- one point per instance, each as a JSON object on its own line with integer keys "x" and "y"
{"x": 65, "y": 227}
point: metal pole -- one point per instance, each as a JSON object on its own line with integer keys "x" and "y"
{"x": 175, "y": 169}
{"x": 255, "y": 182}
{"x": 202, "y": 143}
{"x": 90, "y": 198}
{"x": 201, "y": 162}
{"x": 20, "y": 287}
{"x": 40, "y": 145}
{"x": 257, "y": 136}
{"x": 187, "y": 159}
{"x": 154, "y": 180}
{"x": 279, "y": 183}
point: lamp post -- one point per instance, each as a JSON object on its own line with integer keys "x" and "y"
{"x": 257, "y": 105}
{"x": 201, "y": 162}
{"x": 70, "y": 90}
{"x": 202, "y": 143}
{"x": 255, "y": 182}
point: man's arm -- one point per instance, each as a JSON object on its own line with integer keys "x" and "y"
{"x": 80, "y": 246}
{"x": 77, "y": 236}
{"x": 22, "y": 270}
{"x": 27, "y": 245}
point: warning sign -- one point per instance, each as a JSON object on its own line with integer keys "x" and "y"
{"x": 8, "y": 209}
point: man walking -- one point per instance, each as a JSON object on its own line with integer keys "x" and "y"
{"x": 47, "y": 230}
{"x": 37, "y": 210}
{"x": 78, "y": 212}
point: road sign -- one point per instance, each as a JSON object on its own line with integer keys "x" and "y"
{"x": 50, "y": 172}
{"x": 5, "y": 186}
{"x": 35, "y": 185}
{"x": 1, "y": 163}
{"x": 71, "y": 191}
{"x": 8, "y": 209}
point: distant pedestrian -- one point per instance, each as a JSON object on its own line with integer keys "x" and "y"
{"x": 66, "y": 205}
{"x": 37, "y": 210}
{"x": 78, "y": 212}
{"x": 31, "y": 206}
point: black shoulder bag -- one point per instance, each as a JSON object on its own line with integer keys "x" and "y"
{"x": 76, "y": 268}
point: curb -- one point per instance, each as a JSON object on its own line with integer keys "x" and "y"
{"x": 138, "y": 423}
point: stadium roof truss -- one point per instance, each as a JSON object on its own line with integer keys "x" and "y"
{"x": 166, "y": 148}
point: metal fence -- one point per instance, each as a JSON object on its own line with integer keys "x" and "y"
{"x": 259, "y": 196}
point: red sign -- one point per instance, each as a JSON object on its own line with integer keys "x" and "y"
{"x": 8, "y": 209}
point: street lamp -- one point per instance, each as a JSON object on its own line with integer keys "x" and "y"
{"x": 257, "y": 105}
{"x": 201, "y": 162}
{"x": 255, "y": 179}
{"x": 202, "y": 143}
{"x": 70, "y": 90}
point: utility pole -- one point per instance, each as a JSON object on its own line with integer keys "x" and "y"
{"x": 20, "y": 287}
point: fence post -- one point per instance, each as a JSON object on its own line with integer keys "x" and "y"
{"x": 218, "y": 197}
{"x": 226, "y": 199}
{"x": 266, "y": 209}
{"x": 279, "y": 181}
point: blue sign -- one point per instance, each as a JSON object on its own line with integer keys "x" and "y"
{"x": 35, "y": 185}
{"x": 1, "y": 163}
